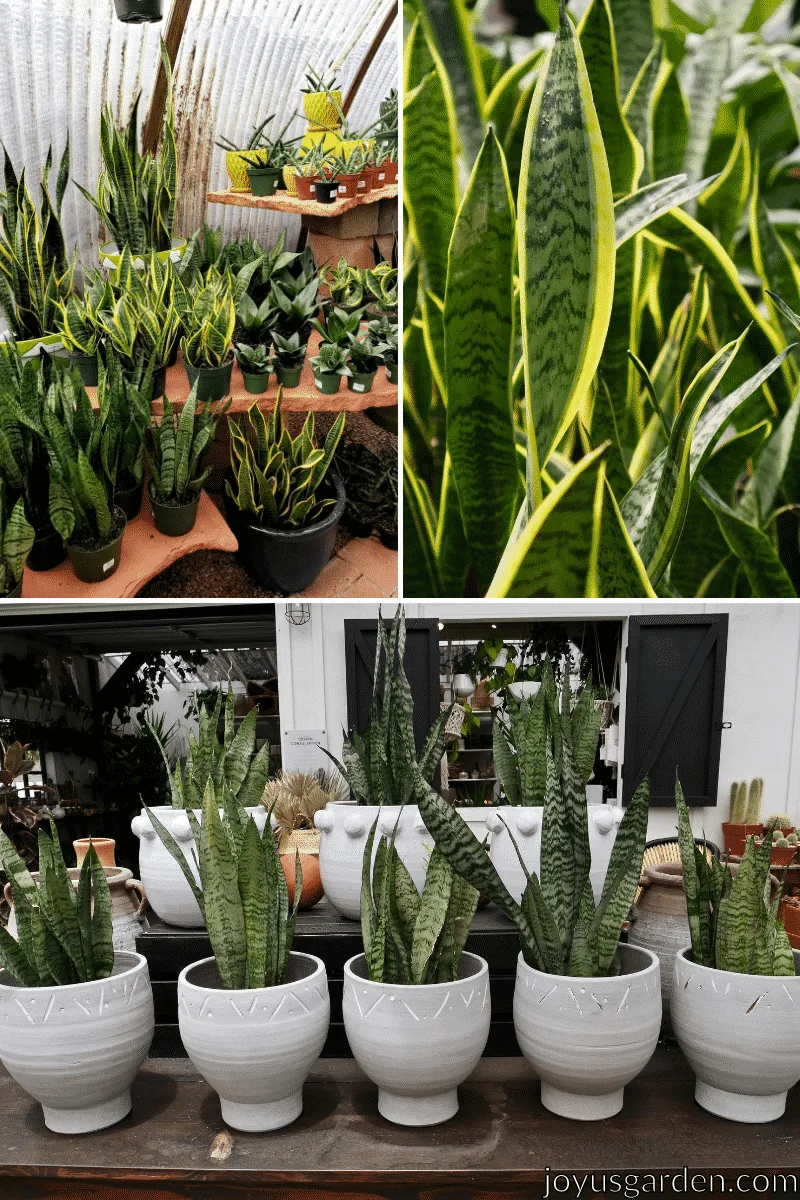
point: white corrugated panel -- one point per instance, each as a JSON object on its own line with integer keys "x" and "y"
{"x": 62, "y": 60}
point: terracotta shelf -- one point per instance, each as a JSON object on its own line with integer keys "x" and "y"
{"x": 145, "y": 554}
{"x": 283, "y": 202}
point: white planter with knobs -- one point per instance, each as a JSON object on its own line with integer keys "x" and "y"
{"x": 76, "y": 1048}
{"x": 525, "y": 689}
{"x": 587, "y": 1038}
{"x": 524, "y": 824}
{"x": 255, "y": 1046}
{"x": 168, "y": 893}
{"x": 739, "y": 1033}
{"x": 417, "y": 1043}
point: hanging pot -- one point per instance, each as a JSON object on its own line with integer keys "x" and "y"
{"x": 174, "y": 520}
{"x": 96, "y": 564}
{"x": 136, "y": 12}
{"x": 213, "y": 383}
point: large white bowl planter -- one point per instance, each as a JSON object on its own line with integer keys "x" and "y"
{"x": 76, "y": 1048}
{"x": 255, "y": 1046}
{"x": 739, "y": 1033}
{"x": 587, "y": 1038}
{"x": 417, "y": 1043}
{"x": 525, "y": 825}
{"x": 168, "y": 893}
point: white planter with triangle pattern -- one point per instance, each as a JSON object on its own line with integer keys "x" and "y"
{"x": 417, "y": 1043}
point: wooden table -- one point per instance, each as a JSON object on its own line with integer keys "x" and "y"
{"x": 500, "y": 1144}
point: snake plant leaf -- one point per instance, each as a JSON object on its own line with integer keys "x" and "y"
{"x": 14, "y": 960}
{"x": 723, "y": 202}
{"x": 634, "y": 213}
{"x": 639, "y": 107}
{"x": 407, "y": 900}
{"x": 773, "y": 260}
{"x": 433, "y": 748}
{"x": 615, "y": 368}
{"x": 599, "y": 45}
{"x": 557, "y": 865}
{"x": 62, "y": 916}
{"x": 417, "y": 58}
{"x": 670, "y": 124}
{"x": 460, "y": 911}
{"x": 622, "y": 878}
{"x": 16, "y": 540}
{"x": 367, "y": 903}
{"x": 782, "y": 448}
{"x": 633, "y": 24}
{"x": 505, "y": 764}
{"x": 430, "y": 189}
{"x": 502, "y": 101}
{"x": 420, "y": 568}
{"x": 253, "y": 893}
{"x": 696, "y": 908}
{"x": 791, "y": 85}
{"x": 566, "y": 248}
{"x": 223, "y": 911}
{"x": 662, "y": 531}
{"x": 544, "y": 951}
{"x": 575, "y": 539}
{"x": 479, "y": 336}
{"x": 453, "y": 551}
{"x": 432, "y": 912}
{"x": 447, "y": 25}
{"x": 380, "y": 931}
{"x": 766, "y": 574}
{"x": 102, "y": 943}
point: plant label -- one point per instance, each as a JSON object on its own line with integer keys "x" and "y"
{"x": 108, "y": 565}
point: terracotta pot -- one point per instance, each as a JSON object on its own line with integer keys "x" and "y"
{"x": 660, "y": 923}
{"x": 104, "y": 848}
{"x": 480, "y": 698}
{"x": 128, "y": 904}
{"x": 790, "y": 915}
{"x": 306, "y": 187}
{"x": 734, "y": 836}
{"x": 782, "y": 856}
{"x": 305, "y": 842}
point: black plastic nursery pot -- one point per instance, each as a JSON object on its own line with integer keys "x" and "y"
{"x": 129, "y": 499}
{"x": 135, "y": 12}
{"x": 212, "y": 382}
{"x": 358, "y": 528}
{"x": 289, "y": 377}
{"x": 48, "y": 550}
{"x": 288, "y": 560}
{"x": 88, "y": 368}
{"x": 264, "y": 181}
{"x": 174, "y": 520}
{"x": 93, "y": 564}
{"x": 327, "y": 190}
{"x": 361, "y": 382}
{"x": 327, "y": 382}
{"x": 389, "y": 538}
{"x": 391, "y": 372}
{"x": 159, "y": 381}
{"x": 255, "y": 382}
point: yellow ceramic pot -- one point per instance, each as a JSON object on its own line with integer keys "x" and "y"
{"x": 350, "y": 144}
{"x": 322, "y": 109}
{"x": 290, "y": 179}
{"x": 237, "y": 166}
{"x": 331, "y": 141}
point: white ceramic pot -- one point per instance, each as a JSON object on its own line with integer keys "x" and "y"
{"x": 463, "y": 686}
{"x": 525, "y": 689}
{"x": 256, "y": 1046}
{"x": 525, "y": 826}
{"x": 587, "y": 1038}
{"x": 739, "y": 1033}
{"x": 475, "y": 817}
{"x": 344, "y": 830}
{"x": 417, "y": 1043}
{"x": 128, "y": 903}
{"x": 76, "y": 1048}
{"x": 168, "y": 893}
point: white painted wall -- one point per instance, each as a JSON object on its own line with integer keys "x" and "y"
{"x": 762, "y": 688}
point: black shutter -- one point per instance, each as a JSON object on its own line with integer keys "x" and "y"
{"x": 421, "y": 661}
{"x": 673, "y": 706}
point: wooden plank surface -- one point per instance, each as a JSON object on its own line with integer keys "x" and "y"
{"x": 283, "y": 202}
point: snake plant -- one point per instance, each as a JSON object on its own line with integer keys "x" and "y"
{"x": 177, "y": 445}
{"x": 596, "y": 237}
{"x": 732, "y": 919}
{"x": 137, "y": 313}
{"x": 561, "y": 930}
{"x": 408, "y": 937}
{"x": 374, "y": 762}
{"x": 232, "y": 765}
{"x": 16, "y": 538}
{"x": 137, "y": 192}
{"x": 62, "y": 936}
{"x": 209, "y": 320}
{"x": 242, "y": 892}
{"x": 277, "y": 478}
{"x": 36, "y": 274}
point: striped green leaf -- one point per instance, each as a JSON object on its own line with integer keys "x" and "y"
{"x": 14, "y": 960}
{"x": 639, "y": 106}
{"x": 479, "y": 335}
{"x": 449, "y": 33}
{"x": 622, "y": 878}
{"x": 453, "y": 551}
{"x": 722, "y": 204}
{"x": 776, "y": 463}
{"x": 634, "y": 213}
{"x": 566, "y": 248}
{"x": 600, "y": 51}
{"x": 633, "y": 23}
{"x": 766, "y": 574}
{"x": 430, "y": 190}
{"x": 252, "y": 891}
{"x": 432, "y": 912}
{"x": 773, "y": 260}
{"x": 670, "y": 124}
{"x": 222, "y": 909}
{"x": 102, "y": 942}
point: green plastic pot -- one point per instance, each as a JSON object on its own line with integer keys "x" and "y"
{"x": 256, "y": 384}
{"x": 87, "y": 368}
{"x": 289, "y": 377}
{"x": 263, "y": 180}
{"x": 327, "y": 382}
{"x": 360, "y": 383}
{"x": 391, "y": 372}
{"x": 212, "y": 382}
{"x": 136, "y": 12}
{"x": 93, "y": 566}
{"x": 174, "y": 520}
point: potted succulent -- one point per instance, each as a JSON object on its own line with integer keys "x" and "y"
{"x": 254, "y": 1017}
{"x": 245, "y": 771}
{"x": 136, "y": 193}
{"x": 386, "y": 140}
{"x": 384, "y": 330}
{"x": 126, "y": 406}
{"x": 254, "y": 363}
{"x": 284, "y": 503}
{"x": 208, "y": 322}
{"x": 327, "y": 188}
{"x": 16, "y": 539}
{"x": 345, "y": 285}
{"x": 329, "y": 366}
{"x": 587, "y": 1008}
{"x": 744, "y": 820}
{"x": 255, "y": 321}
{"x": 137, "y": 315}
{"x": 740, "y": 963}
{"x": 290, "y": 354}
{"x": 35, "y": 272}
{"x": 351, "y": 172}
{"x": 339, "y": 325}
{"x": 364, "y": 358}
{"x": 309, "y": 169}
{"x": 175, "y": 459}
{"x": 136, "y": 12}
{"x": 784, "y": 847}
{"x": 240, "y": 160}
{"x": 416, "y": 1008}
{"x": 80, "y": 329}
{"x": 78, "y": 1057}
{"x": 376, "y": 767}
{"x": 322, "y": 100}
{"x": 297, "y": 303}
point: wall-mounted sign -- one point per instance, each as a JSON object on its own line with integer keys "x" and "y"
{"x": 301, "y": 750}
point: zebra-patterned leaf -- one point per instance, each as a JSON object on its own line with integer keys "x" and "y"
{"x": 222, "y": 909}
{"x": 447, "y": 25}
{"x": 622, "y": 878}
{"x": 432, "y": 912}
{"x": 633, "y": 24}
{"x": 102, "y": 940}
{"x": 252, "y": 891}
{"x": 599, "y": 44}
{"x": 430, "y": 190}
